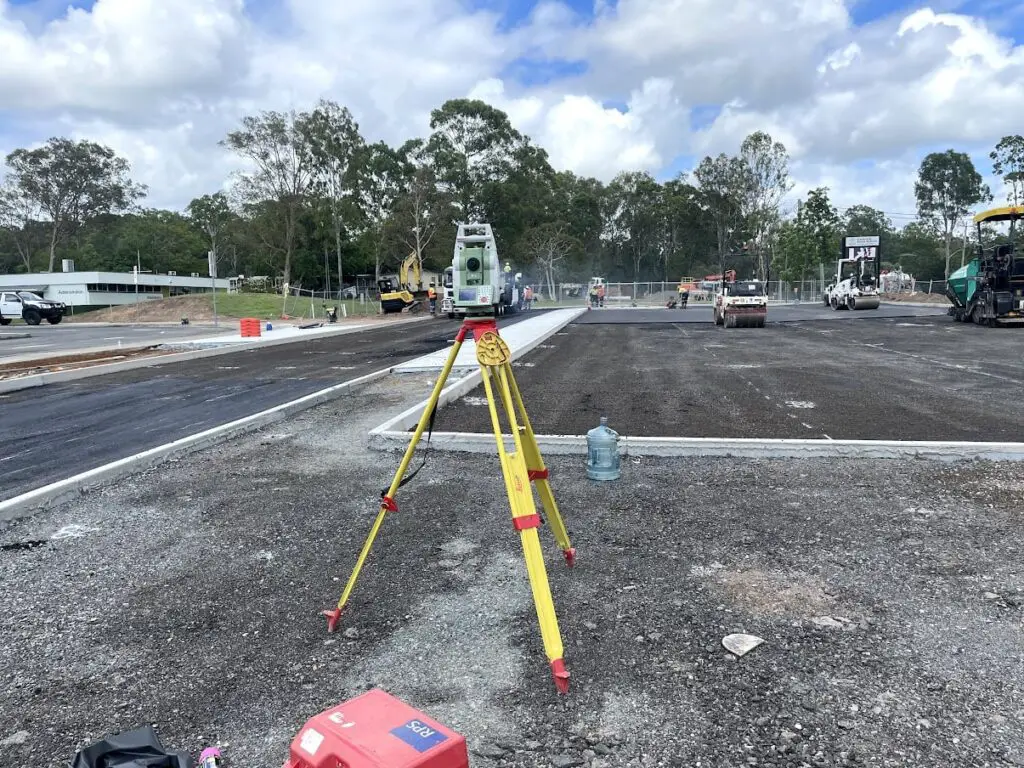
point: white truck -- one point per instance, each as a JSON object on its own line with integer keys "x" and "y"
{"x": 30, "y": 307}
{"x": 741, "y": 304}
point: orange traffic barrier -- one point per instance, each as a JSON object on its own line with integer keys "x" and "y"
{"x": 250, "y": 326}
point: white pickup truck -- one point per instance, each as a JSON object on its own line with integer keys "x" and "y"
{"x": 30, "y": 307}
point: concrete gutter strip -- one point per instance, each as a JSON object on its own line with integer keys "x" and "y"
{"x": 697, "y": 447}
{"x": 409, "y": 418}
{"x": 59, "y": 377}
{"x": 64, "y": 490}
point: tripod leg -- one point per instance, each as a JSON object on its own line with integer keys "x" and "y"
{"x": 526, "y": 520}
{"x": 538, "y": 473}
{"x": 388, "y": 502}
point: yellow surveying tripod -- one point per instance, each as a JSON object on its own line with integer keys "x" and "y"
{"x": 519, "y": 468}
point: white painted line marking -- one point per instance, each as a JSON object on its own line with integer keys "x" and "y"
{"x": 15, "y": 455}
{"x": 800, "y": 404}
{"x": 30, "y": 346}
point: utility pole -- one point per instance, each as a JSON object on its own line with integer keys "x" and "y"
{"x": 138, "y": 271}
{"x": 212, "y": 257}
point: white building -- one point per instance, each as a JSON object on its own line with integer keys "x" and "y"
{"x": 105, "y": 289}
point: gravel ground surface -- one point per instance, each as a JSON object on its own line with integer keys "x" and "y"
{"x": 896, "y": 379}
{"x": 188, "y": 597}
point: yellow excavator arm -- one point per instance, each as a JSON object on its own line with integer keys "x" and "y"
{"x": 409, "y": 273}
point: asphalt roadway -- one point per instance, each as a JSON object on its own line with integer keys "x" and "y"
{"x": 48, "y": 339}
{"x": 924, "y": 378}
{"x": 782, "y": 313}
{"x": 59, "y": 430}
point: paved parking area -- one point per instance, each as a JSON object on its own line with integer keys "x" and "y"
{"x": 784, "y": 313}
{"x": 58, "y": 430}
{"x": 904, "y": 378}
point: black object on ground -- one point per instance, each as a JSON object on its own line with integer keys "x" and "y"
{"x": 140, "y": 748}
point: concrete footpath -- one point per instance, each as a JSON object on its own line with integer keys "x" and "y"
{"x": 44, "y": 343}
{"x": 524, "y": 334}
{"x": 274, "y": 333}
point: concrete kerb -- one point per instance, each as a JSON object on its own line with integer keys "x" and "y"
{"x": 409, "y": 418}
{"x": 58, "y": 377}
{"x": 711, "y": 447}
{"x": 63, "y": 490}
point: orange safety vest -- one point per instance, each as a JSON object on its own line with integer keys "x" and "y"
{"x": 431, "y": 293}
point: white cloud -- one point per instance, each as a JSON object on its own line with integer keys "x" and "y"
{"x": 123, "y": 56}
{"x": 163, "y": 82}
{"x": 581, "y": 134}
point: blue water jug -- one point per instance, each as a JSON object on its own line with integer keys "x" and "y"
{"x": 603, "y": 452}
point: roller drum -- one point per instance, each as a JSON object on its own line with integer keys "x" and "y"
{"x": 865, "y": 302}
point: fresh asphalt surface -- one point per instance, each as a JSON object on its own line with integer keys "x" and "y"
{"x": 46, "y": 339}
{"x": 859, "y": 375}
{"x": 59, "y": 430}
{"x": 784, "y": 313}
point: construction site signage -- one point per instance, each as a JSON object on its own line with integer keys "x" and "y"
{"x": 861, "y": 247}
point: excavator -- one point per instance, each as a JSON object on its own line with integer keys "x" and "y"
{"x": 408, "y": 294}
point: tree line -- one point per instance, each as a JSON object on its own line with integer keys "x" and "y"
{"x": 318, "y": 204}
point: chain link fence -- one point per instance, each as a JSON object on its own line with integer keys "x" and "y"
{"x": 657, "y": 294}
{"x": 638, "y": 294}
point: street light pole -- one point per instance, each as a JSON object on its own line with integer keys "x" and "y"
{"x": 138, "y": 271}
{"x": 212, "y": 258}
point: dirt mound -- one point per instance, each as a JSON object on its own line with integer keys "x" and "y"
{"x": 230, "y": 307}
{"x": 195, "y": 308}
{"x": 917, "y": 298}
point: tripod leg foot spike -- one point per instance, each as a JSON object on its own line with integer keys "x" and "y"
{"x": 570, "y": 556}
{"x": 332, "y": 618}
{"x": 561, "y": 675}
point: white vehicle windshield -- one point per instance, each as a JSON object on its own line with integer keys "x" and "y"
{"x": 746, "y": 289}
{"x": 29, "y": 296}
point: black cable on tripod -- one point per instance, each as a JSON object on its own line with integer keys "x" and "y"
{"x": 407, "y": 478}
